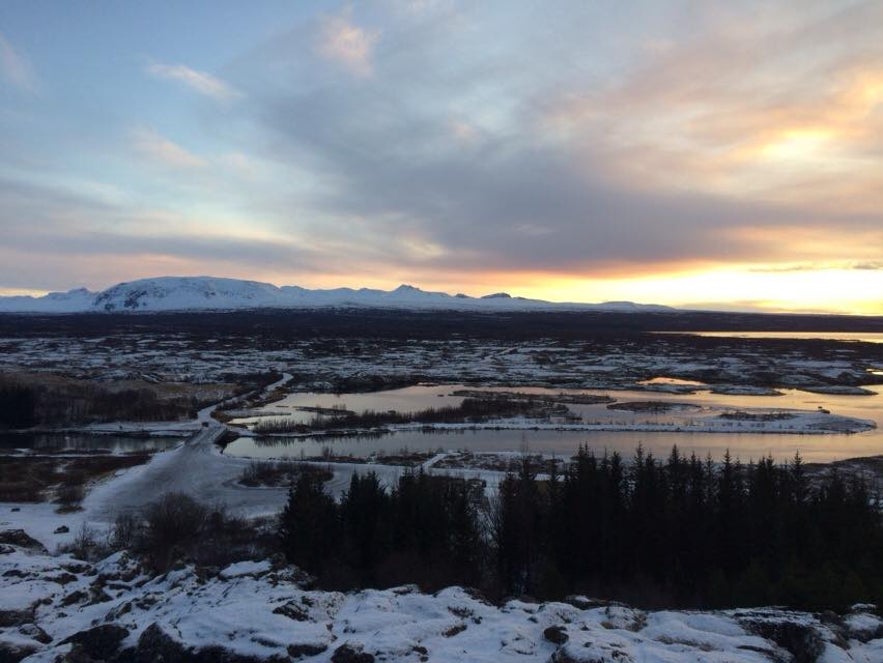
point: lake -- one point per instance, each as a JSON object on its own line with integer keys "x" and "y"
{"x": 746, "y": 445}
{"x": 864, "y": 337}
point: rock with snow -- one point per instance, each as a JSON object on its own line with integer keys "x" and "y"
{"x": 246, "y": 568}
{"x": 100, "y": 642}
{"x": 21, "y": 539}
{"x": 257, "y": 612}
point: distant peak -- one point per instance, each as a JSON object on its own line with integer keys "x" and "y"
{"x": 407, "y": 288}
{"x": 498, "y": 295}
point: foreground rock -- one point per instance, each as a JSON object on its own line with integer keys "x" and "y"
{"x": 60, "y": 609}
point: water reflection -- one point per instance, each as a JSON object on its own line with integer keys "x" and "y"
{"x": 565, "y": 443}
{"x": 865, "y": 337}
{"x": 42, "y": 442}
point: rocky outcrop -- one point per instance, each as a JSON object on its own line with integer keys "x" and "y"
{"x": 256, "y": 612}
{"x": 21, "y": 539}
{"x": 349, "y": 653}
{"x": 100, "y": 643}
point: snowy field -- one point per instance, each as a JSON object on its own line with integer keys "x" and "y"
{"x": 350, "y": 351}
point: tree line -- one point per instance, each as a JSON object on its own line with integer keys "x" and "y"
{"x": 427, "y": 530}
{"x": 24, "y": 406}
{"x": 17, "y": 406}
{"x": 683, "y": 532}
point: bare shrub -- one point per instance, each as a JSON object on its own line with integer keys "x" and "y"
{"x": 87, "y": 545}
{"x": 126, "y": 530}
{"x": 178, "y": 528}
{"x": 68, "y": 497}
{"x": 171, "y": 525}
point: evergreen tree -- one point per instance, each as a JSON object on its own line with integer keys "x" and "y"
{"x": 309, "y": 525}
{"x": 365, "y": 516}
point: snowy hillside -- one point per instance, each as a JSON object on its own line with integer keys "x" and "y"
{"x": 204, "y": 293}
{"x": 55, "y": 302}
{"x": 59, "y": 608}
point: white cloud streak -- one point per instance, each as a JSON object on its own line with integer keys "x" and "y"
{"x": 15, "y": 68}
{"x": 162, "y": 150}
{"x": 198, "y": 81}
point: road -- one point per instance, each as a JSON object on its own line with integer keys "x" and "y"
{"x": 196, "y": 468}
{"x": 199, "y": 469}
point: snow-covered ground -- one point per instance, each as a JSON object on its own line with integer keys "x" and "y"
{"x": 52, "y": 606}
{"x": 168, "y": 356}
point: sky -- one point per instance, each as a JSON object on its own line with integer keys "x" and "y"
{"x": 709, "y": 155}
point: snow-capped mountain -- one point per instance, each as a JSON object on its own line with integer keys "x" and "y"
{"x": 205, "y": 293}
{"x": 174, "y": 293}
{"x": 72, "y": 301}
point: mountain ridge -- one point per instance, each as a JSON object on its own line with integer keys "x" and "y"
{"x": 208, "y": 293}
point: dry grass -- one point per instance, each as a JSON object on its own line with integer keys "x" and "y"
{"x": 279, "y": 473}
{"x": 60, "y": 479}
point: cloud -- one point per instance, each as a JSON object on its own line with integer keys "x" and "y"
{"x": 241, "y": 164}
{"x": 198, "y": 81}
{"x": 15, "y": 67}
{"x": 56, "y": 239}
{"x": 774, "y": 102}
{"x": 524, "y": 156}
{"x": 867, "y": 265}
{"x": 343, "y": 42}
{"x": 162, "y": 150}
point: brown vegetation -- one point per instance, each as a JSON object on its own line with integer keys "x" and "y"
{"x": 44, "y": 399}
{"x": 471, "y": 410}
{"x": 60, "y": 479}
{"x": 652, "y": 406}
{"x": 279, "y": 473}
